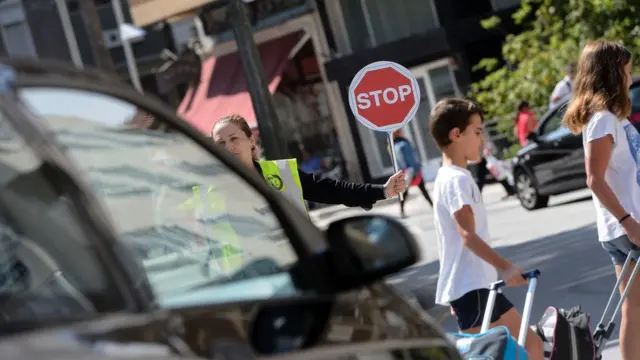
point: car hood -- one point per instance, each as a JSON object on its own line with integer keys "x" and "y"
{"x": 526, "y": 148}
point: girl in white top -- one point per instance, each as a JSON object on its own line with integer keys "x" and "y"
{"x": 599, "y": 109}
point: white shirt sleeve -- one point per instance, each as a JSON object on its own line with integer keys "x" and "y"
{"x": 560, "y": 91}
{"x": 600, "y": 125}
{"x": 459, "y": 192}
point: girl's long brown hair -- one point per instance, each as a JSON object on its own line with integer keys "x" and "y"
{"x": 600, "y": 84}
{"x": 241, "y": 123}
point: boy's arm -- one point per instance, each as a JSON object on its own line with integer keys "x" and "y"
{"x": 459, "y": 201}
{"x": 467, "y": 230}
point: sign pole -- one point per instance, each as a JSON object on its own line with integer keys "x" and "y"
{"x": 394, "y": 160}
{"x": 257, "y": 84}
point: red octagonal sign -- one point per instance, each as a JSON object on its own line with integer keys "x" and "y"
{"x": 384, "y": 96}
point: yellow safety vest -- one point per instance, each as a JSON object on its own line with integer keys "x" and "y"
{"x": 229, "y": 255}
{"x": 283, "y": 176}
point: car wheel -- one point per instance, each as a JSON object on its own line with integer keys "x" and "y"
{"x": 527, "y": 192}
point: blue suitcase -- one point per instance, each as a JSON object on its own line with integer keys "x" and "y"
{"x": 497, "y": 343}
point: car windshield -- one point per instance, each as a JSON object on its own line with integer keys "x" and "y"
{"x": 48, "y": 269}
{"x": 195, "y": 225}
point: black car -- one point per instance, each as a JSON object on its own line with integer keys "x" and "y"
{"x": 552, "y": 162}
{"x": 117, "y": 237}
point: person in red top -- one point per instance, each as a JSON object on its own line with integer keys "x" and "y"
{"x": 525, "y": 122}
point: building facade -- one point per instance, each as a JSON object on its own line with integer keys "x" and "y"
{"x": 438, "y": 40}
{"x": 32, "y": 28}
{"x": 310, "y": 49}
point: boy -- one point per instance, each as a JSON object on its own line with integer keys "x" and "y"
{"x": 467, "y": 263}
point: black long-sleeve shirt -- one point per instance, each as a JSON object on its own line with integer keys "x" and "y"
{"x": 329, "y": 191}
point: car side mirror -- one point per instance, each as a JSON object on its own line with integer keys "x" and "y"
{"x": 533, "y": 136}
{"x": 366, "y": 248}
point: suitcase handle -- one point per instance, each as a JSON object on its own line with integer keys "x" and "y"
{"x": 495, "y": 287}
{"x": 527, "y": 275}
{"x": 604, "y": 329}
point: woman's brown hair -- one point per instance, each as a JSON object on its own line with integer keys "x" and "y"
{"x": 243, "y": 125}
{"x": 600, "y": 84}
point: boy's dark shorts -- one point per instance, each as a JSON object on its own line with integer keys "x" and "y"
{"x": 469, "y": 308}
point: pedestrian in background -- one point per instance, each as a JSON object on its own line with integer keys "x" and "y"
{"x": 468, "y": 264}
{"x": 499, "y": 170}
{"x": 599, "y": 110}
{"x": 408, "y": 161}
{"x": 564, "y": 88}
{"x": 525, "y": 122}
{"x": 480, "y": 170}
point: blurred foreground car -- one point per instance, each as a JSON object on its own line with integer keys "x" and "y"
{"x": 118, "y": 239}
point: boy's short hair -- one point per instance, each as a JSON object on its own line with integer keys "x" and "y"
{"x": 451, "y": 113}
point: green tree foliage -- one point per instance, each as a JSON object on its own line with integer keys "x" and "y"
{"x": 554, "y": 33}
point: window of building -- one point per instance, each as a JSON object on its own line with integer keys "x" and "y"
{"x": 436, "y": 81}
{"x": 73, "y": 5}
{"x": 505, "y": 4}
{"x": 375, "y": 22}
{"x": 17, "y": 39}
{"x": 464, "y": 9}
{"x": 15, "y": 30}
{"x": 182, "y": 31}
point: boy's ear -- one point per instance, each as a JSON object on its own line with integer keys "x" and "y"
{"x": 454, "y": 134}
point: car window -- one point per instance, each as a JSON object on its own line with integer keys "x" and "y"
{"x": 192, "y": 222}
{"x": 47, "y": 268}
{"x": 553, "y": 121}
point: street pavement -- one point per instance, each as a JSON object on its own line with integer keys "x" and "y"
{"x": 560, "y": 240}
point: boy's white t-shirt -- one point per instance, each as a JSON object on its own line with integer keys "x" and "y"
{"x": 460, "y": 269}
{"x": 623, "y": 172}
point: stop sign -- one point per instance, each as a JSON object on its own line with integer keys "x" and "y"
{"x": 384, "y": 96}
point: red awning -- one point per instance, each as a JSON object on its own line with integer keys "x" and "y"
{"x": 223, "y": 90}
